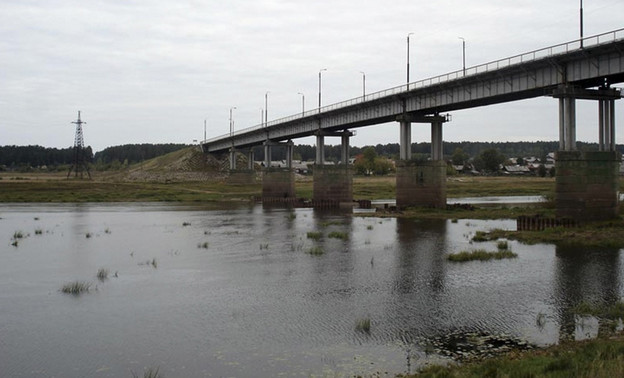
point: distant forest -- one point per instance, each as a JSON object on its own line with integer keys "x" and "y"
{"x": 26, "y": 157}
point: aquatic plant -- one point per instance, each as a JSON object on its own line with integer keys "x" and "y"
{"x": 14, "y": 244}
{"x": 369, "y": 227}
{"x": 338, "y": 235}
{"x": 184, "y": 224}
{"x": 316, "y": 251}
{"x": 363, "y": 325}
{"x": 75, "y": 288}
{"x": 314, "y": 235}
{"x": 107, "y": 231}
{"x": 18, "y": 235}
{"x": 38, "y": 231}
{"x": 88, "y": 235}
{"x": 154, "y": 263}
{"x": 264, "y": 246}
{"x": 102, "y": 274}
{"x": 149, "y": 373}
{"x": 481, "y": 255}
{"x": 480, "y": 236}
{"x": 203, "y": 245}
{"x": 502, "y": 245}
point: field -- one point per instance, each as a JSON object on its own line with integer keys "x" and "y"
{"x": 30, "y": 187}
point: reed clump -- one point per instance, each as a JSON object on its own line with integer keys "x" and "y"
{"x": 316, "y": 251}
{"x": 363, "y": 325}
{"x": 102, "y": 274}
{"x": 481, "y": 255}
{"x": 314, "y": 235}
{"x": 76, "y": 288}
{"x": 338, "y": 235}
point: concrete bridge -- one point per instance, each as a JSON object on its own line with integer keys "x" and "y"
{"x": 586, "y": 183}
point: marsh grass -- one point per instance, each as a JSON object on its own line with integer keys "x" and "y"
{"x": 76, "y": 288}
{"x": 154, "y": 263}
{"x": 592, "y": 358}
{"x": 480, "y": 236}
{"x": 369, "y": 227}
{"x": 15, "y": 243}
{"x": 184, "y": 224}
{"x": 203, "y": 245}
{"x": 18, "y": 235}
{"x": 338, "y": 235}
{"x": 502, "y": 245}
{"x": 314, "y": 235}
{"x": 481, "y": 255}
{"x": 102, "y": 274}
{"x": 38, "y": 231}
{"x": 264, "y": 246}
{"x": 88, "y": 235}
{"x": 363, "y": 325}
{"x": 316, "y": 251}
{"x": 612, "y": 311}
{"x": 149, "y": 373}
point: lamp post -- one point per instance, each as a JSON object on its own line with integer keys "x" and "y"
{"x": 302, "y": 103}
{"x": 581, "y": 20}
{"x": 231, "y": 121}
{"x": 463, "y": 54}
{"x": 363, "y": 83}
{"x": 408, "y": 56}
{"x": 266, "y": 109}
{"x": 321, "y": 70}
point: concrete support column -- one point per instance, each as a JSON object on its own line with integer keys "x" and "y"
{"x": 344, "y": 156}
{"x": 437, "y": 152}
{"x": 405, "y": 140}
{"x": 601, "y": 125}
{"x": 320, "y": 149}
{"x": 232, "y": 159}
{"x": 562, "y": 133}
{"x": 612, "y": 124}
{"x": 250, "y": 159}
{"x": 569, "y": 123}
{"x": 267, "y": 154}
{"x": 289, "y": 153}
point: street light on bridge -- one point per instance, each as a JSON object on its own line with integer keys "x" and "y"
{"x": 302, "y": 103}
{"x": 408, "y": 56}
{"x": 463, "y": 54}
{"x": 231, "y": 121}
{"x": 363, "y": 83}
{"x": 321, "y": 70}
{"x": 266, "y": 109}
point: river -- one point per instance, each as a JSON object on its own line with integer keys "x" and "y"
{"x": 201, "y": 291}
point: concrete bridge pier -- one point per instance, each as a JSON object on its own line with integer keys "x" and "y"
{"x": 333, "y": 184}
{"x": 421, "y": 182}
{"x": 586, "y": 183}
{"x": 278, "y": 183}
{"x": 241, "y": 176}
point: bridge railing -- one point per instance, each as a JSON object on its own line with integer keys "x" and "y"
{"x": 546, "y": 52}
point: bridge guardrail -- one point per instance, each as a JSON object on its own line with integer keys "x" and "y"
{"x": 545, "y": 52}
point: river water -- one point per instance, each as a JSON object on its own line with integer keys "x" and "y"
{"x": 200, "y": 291}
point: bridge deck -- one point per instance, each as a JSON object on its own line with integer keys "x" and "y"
{"x": 533, "y": 74}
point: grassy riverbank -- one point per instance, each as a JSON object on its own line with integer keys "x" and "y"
{"x": 594, "y": 358}
{"x": 107, "y": 188}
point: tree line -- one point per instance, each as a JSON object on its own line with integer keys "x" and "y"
{"x": 26, "y": 157}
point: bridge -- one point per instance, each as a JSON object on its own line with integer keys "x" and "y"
{"x": 583, "y": 69}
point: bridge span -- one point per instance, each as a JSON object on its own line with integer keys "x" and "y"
{"x": 582, "y": 69}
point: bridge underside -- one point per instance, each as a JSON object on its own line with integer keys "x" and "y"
{"x": 581, "y": 192}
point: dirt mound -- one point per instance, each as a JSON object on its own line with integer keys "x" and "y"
{"x": 188, "y": 164}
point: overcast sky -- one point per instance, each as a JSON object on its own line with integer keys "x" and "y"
{"x": 152, "y": 71}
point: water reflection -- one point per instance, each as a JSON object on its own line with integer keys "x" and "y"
{"x": 585, "y": 275}
{"x": 255, "y": 300}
